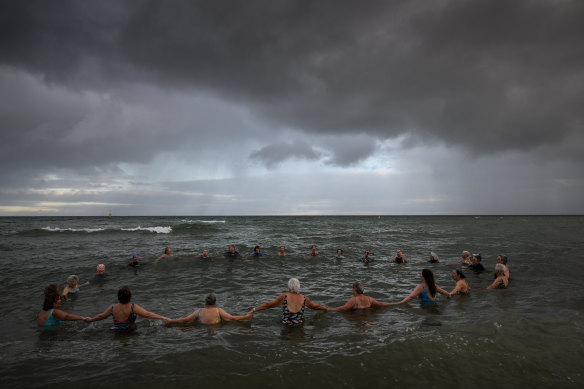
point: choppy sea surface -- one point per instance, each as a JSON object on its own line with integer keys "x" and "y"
{"x": 529, "y": 335}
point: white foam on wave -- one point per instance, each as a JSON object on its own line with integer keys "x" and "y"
{"x": 157, "y": 229}
{"x": 202, "y": 221}
{"x": 57, "y": 229}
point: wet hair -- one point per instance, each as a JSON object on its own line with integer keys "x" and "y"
{"x": 478, "y": 257}
{"x": 341, "y": 250}
{"x": 460, "y": 273}
{"x": 210, "y": 299}
{"x": 257, "y": 247}
{"x": 124, "y": 294}
{"x": 72, "y": 278}
{"x": 51, "y": 296}
{"x": 166, "y": 250}
{"x": 429, "y": 277}
{"x": 294, "y": 285}
{"x": 500, "y": 268}
{"x": 313, "y": 246}
{"x": 503, "y": 259}
{"x": 359, "y": 288}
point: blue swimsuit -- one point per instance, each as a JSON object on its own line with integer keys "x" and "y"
{"x": 73, "y": 291}
{"x": 424, "y": 297}
{"x": 51, "y": 321}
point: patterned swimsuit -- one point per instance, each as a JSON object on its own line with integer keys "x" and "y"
{"x": 292, "y": 319}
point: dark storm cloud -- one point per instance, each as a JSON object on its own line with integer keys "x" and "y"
{"x": 275, "y": 153}
{"x": 500, "y": 74}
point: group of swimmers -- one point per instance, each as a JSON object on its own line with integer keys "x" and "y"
{"x": 293, "y": 303}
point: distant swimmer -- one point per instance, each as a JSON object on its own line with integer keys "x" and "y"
{"x": 427, "y": 290}
{"x": 167, "y": 253}
{"x": 433, "y": 258}
{"x": 293, "y": 304}
{"x": 461, "y": 284}
{"x": 501, "y": 282}
{"x": 124, "y": 313}
{"x": 72, "y": 286}
{"x": 210, "y": 314}
{"x": 466, "y": 258}
{"x": 100, "y": 277}
{"x": 359, "y": 300}
{"x": 51, "y": 315}
{"x": 256, "y": 252}
{"x": 205, "y": 254}
{"x": 476, "y": 264}
{"x": 339, "y": 254}
{"x": 366, "y": 258}
{"x": 502, "y": 259}
{"x": 135, "y": 261}
{"x": 313, "y": 251}
{"x": 282, "y": 251}
{"x": 399, "y": 258}
{"x": 231, "y": 253}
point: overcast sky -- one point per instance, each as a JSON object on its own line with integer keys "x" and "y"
{"x": 291, "y": 107}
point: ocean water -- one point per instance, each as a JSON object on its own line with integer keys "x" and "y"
{"x": 531, "y": 334}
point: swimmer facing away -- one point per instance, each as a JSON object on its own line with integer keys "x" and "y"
{"x": 359, "y": 300}
{"x": 293, "y": 304}
{"x": 210, "y": 314}
{"x": 124, "y": 313}
{"x": 426, "y": 290}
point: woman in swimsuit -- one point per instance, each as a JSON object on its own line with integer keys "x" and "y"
{"x": 124, "y": 313}
{"x": 461, "y": 284}
{"x": 502, "y": 281}
{"x": 359, "y": 300}
{"x": 72, "y": 286}
{"x": 426, "y": 290}
{"x": 210, "y": 314}
{"x": 51, "y": 314}
{"x": 293, "y": 304}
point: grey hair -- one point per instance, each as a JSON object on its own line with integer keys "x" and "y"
{"x": 294, "y": 285}
{"x": 467, "y": 253}
{"x": 434, "y": 255}
{"x": 500, "y": 268}
{"x": 72, "y": 278}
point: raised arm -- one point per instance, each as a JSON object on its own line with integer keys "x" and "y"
{"x": 187, "y": 319}
{"x": 104, "y": 314}
{"x": 138, "y": 310}
{"x": 227, "y": 317}
{"x": 271, "y": 304}
{"x": 315, "y": 306}
{"x": 60, "y": 315}
{"x": 348, "y": 305}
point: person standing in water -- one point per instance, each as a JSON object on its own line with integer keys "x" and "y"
{"x": 426, "y": 290}
{"x": 51, "y": 315}
{"x": 359, "y": 300}
{"x": 167, "y": 253}
{"x": 210, "y": 314}
{"x": 461, "y": 284}
{"x": 293, "y": 304}
{"x": 398, "y": 258}
{"x": 313, "y": 252}
{"x": 124, "y": 313}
